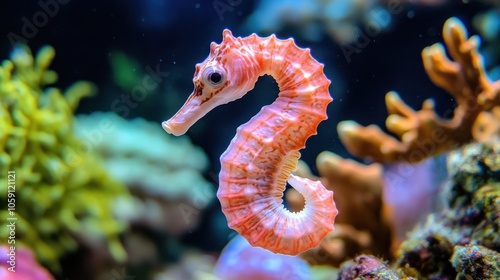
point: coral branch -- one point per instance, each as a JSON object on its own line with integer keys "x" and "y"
{"x": 487, "y": 125}
{"x": 423, "y": 133}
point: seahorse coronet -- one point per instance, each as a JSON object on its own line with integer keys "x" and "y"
{"x": 265, "y": 150}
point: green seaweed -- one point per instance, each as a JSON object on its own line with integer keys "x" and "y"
{"x": 127, "y": 72}
{"x": 62, "y": 191}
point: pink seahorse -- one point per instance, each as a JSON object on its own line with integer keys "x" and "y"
{"x": 265, "y": 150}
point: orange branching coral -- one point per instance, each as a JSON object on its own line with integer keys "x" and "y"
{"x": 363, "y": 225}
{"x": 487, "y": 125}
{"x": 423, "y": 133}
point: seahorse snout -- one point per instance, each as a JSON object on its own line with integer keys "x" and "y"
{"x": 173, "y": 129}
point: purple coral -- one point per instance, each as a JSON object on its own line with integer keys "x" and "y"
{"x": 239, "y": 260}
{"x": 366, "y": 267}
{"x": 20, "y": 264}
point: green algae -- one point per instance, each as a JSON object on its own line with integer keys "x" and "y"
{"x": 62, "y": 191}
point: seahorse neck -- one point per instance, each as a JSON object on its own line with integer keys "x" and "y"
{"x": 288, "y": 64}
{"x": 303, "y": 94}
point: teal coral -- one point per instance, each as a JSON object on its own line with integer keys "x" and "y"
{"x": 62, "y": 191}
{"x": 174, "y": 191}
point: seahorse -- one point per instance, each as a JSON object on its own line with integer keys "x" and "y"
{"x": 260, "y": 158}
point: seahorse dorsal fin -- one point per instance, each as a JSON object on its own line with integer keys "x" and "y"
{"x": 228, "y": 38}
{"x": 227, "y": 33}
{"x": 213, "y": 46}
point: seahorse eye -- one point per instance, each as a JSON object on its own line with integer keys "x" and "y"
{"x": 214, "y": 76}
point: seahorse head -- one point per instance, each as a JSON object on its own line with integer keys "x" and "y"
{"x": 229, "y": 72}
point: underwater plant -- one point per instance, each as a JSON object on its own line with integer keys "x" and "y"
{"x": 259, "y": 161}
{"x": 63, "y": 194}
